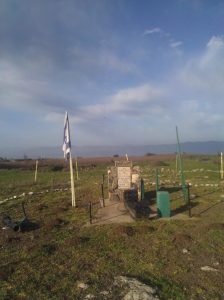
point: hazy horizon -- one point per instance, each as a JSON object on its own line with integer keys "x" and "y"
{"x": 209, "y": 147}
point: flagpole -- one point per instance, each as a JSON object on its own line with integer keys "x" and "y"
{"x": 72, "y": 181}
{"x": 68, "y": 155}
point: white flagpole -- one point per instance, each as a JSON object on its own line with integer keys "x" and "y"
{"x": 67, "y": 154}
{"x": 72, "y": 181}
{"x": 126, "y": 156}
{"x": 35, "y": 177}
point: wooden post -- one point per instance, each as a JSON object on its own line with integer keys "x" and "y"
{"x": 108, "y": 183}
{"x": 77, "y": 170}
{"x": 142, "y": 190}
{"x": 157, "y": 180}
{"x": 52, "y": 183}
{"x": 90, "y": 212}
{"x": 189, "y": 200}
{"x": 102, "y": 193}
{"x": 35, "y": 177}
{"x": 221, "y": 169}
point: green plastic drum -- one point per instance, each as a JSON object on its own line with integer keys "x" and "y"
{"x": 163, "y": 204}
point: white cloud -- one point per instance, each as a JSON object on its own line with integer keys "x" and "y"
{"x": 213, "y": 55}
{"x": 103, "y": 58}
{"x": 135, "y": 101}
{"x": 201, "y": 79}
{"x": 54, "y": 117}
{"x": 216, "y": 42}
{"x": 140, "y": 94}
{"x": 199, "y": 121}
{"x": 110, "y": 60}
{"x": 18, "y": 90}
{"x": 152, "y": 31}
{"x": 205, "y": 73}
{"x": 174, "y": 44}
{"x": 25, "y": 86}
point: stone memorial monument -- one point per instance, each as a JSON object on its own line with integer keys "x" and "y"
{"x": 124, "y": 182}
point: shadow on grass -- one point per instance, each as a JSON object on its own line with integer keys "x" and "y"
{"x": 150, "y": 196}
{"x": 24, "y": 226}
{"x": 30, "y": 226}
{"x": 183, "y": 208}
{"x": 208, "y": 193}
{"x": 150, "y": 199}
{"x": 210, "y": 207}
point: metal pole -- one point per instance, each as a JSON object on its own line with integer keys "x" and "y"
{"x": 181, "y": 168}
{"x": 90, "y": 212}
{"x": 176, "y": 163}
{"x": 157, "y": 180}
{"x": 24, "y": 212}
{"x": 189, "y": 200}
{"x": 102, "y": 193}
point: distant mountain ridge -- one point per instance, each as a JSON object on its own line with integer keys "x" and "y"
{"x": 210, "y": 147}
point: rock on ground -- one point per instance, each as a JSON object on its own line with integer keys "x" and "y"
{"x": 136, "y": 290}
{"x": 207, "y": 268}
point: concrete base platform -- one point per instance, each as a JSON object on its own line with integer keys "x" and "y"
{"x": 113, "y": 212}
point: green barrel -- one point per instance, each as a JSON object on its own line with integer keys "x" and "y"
{"x": 163, "y": 204}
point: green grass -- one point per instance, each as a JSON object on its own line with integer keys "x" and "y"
{"x": 47, "y": 263}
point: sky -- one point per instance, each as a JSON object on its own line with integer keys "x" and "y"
{"x": 127, "y": 71}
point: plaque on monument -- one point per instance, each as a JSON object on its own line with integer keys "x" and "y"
{"x": 124, "y": 177}
{"x": 123, "y": 163}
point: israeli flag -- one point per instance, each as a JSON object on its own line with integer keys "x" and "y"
{"x": 67, "y": 141}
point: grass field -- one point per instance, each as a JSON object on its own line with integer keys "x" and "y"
{"x": 49, "y": 262}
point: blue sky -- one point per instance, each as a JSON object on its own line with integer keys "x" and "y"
{"x": 127, "y": 71}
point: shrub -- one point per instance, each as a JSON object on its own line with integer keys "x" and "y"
{"x": 56, "y": 168}
{"x": 149, "y": 154}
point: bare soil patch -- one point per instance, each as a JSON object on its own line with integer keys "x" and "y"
{"x": 182, "y": 240}
{"x": 214, "y": 226}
